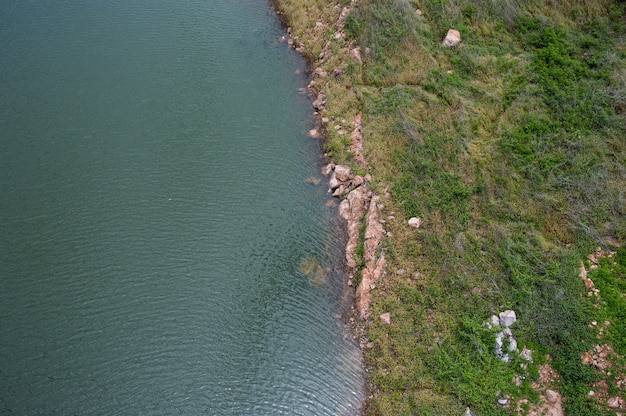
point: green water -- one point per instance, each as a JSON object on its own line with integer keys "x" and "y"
{"x": 155, "y": 216}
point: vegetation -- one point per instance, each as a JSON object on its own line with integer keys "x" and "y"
{"x": 512, "y": 149}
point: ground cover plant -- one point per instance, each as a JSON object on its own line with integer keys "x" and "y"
{"x": 511, "y": 147}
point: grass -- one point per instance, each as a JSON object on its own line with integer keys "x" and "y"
{"x": 511, "y": 149}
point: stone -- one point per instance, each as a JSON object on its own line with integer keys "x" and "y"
{"x": 526, "y": 354}
{"x": 386, "y": 318}
{"x": 314, "y": 133}
{"x": 320, "y": 102}
{"x": 512, "y": 344}
{"x": 494, "y": 320}
{"x": 334, "y": 182}
{"x": 326, "y": 170}
{"x": 552, "y": 396}
{"x": 613, "y": 402}
{"x": 420, "y": 13}
{"x": 503, "y": 402}
{"x": 339, "y": 191}
{"x": 356, "y": 54}
{"x": 507, "y": 318}
{"x": 357, "y": 180}
{"x": 415, "y": 222}
{"x": 343, "y": 173}
{"x": 468, "y": 412}
{"x": 453, "y": 37}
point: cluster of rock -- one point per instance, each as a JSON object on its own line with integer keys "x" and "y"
{"x": 358, "y": 204}
{"x": 504, "y": 319}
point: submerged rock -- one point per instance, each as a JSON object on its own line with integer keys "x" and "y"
{"x": 311, "y": 268}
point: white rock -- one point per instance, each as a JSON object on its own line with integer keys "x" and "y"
{"x": 494, "y": 320}
{"x": 503, "y": 402}
{"x": 385, "y": 318}
{"x": 415, "y": 222}
{"x": 507, "y": 318}
{"x": 453, "y": 37}
{"x": 468, "y": 412}
{"x": 512, "y": 344}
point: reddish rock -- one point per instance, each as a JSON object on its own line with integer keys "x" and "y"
{"x": 453, "y": 37}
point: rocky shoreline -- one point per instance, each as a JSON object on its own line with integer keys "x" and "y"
{"x": 359, "y": 204}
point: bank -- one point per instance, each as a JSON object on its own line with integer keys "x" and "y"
{"x": 509, "y": 149}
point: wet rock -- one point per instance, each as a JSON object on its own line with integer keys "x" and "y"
{"x": 326, "y": 170}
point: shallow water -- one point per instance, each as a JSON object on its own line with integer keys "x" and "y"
{"x": 155, "y": 215}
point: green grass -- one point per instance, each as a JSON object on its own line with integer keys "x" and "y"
{"x": 511, "y": 149}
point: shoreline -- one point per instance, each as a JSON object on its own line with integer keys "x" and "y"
{"x": 359, "y": 204}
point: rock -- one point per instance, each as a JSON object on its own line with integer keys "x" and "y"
{"x": 494, "y": 320}
{"x": 314, "y": 133}
{"x": 320, "y": 102}
{"x": 526, "y": 354}
{"x": 507, "y": 318}
{"x": 503, "y": 402}
{"x": 357, "y": 181}
{"x": 313, "y": 180}
{"x": 415, "y": 222}
{"x": 512, "y": 344}
{"x": 339, "y": 191}
{"x": 552, "y": 396}
{"x": 327, "y": 169}
{"x": 591, "y": 393}
{"x": 374, "y": 257}
{"x": 468, "y": 412}
{"x": 356, "y": 54}
{"x": 420, "y": 13}
{"x": 334, "y": 182}
{"x": 386, "y": 318}
{"x": 343, "y": 173}
{"x": 320, "y": 73}
{"x": 453, "y": 37}
{"x": 613, "y": 402}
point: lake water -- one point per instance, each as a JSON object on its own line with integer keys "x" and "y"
{"x": 162, "y": 248}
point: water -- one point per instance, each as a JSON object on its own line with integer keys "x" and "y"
{"x": 161, "y": 250}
